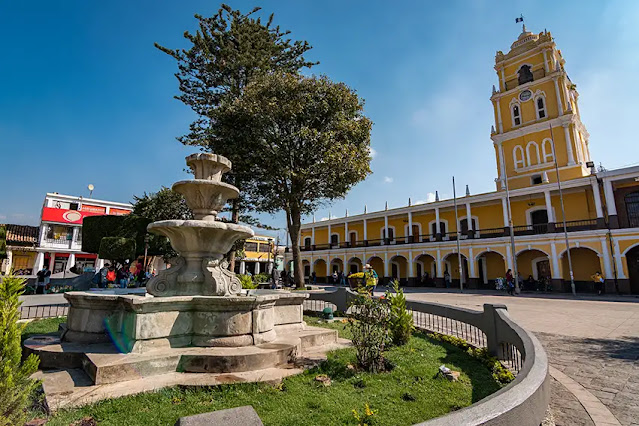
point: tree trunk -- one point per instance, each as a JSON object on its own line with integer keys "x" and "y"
{"x": 294, "y": 230}
{"x": 235, "y": 218}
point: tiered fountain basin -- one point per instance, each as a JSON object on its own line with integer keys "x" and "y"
{"x": 143, "y": 323}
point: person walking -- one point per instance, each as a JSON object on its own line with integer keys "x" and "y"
{"x": 313, "y": 277}
{"x": 43, "y": 277}
{"x": 599, "y": 282}
{"x": 510, "y": 285}
{"x": 447, "y": 279}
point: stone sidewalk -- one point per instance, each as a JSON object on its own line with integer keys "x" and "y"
{"x": 607, "y": 368}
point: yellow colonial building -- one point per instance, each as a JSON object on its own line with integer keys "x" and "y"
{"x": 261, "y": 254}
{"x": 537, "y": 125}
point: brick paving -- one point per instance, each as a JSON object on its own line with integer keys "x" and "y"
{"x": 608, "y": 368}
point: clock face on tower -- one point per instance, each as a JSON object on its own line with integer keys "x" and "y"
{"x": 525, "y": 95}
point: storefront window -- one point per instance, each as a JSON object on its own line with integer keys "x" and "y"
{"x": 59, "y": 232}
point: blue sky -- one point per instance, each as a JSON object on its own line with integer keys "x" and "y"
{"x": 86, "y": 98}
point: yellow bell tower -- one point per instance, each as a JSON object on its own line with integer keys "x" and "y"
{"x": 536, "y": 104}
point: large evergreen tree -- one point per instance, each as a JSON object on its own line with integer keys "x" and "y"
{"x": 227, "y": 52}
{"x": 307, "y": 140}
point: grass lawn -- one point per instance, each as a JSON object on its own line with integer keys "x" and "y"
{"x": 42, "y": 326}
{"x": 408, "y": 394}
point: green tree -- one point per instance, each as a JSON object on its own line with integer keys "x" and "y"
{"x": 117, "y": 249}
{"x": 308, "y": 142}
{"x": 165, "y": 204}
{"x": 16, "y": 385}
{"x": 227, "y": 52}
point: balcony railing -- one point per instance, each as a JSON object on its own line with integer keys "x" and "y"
{"x": 523, "y": 230}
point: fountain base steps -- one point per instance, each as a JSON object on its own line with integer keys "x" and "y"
{"x": 83, "y": 374}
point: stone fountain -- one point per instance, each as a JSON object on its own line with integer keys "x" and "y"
{"x": 198, "y": 301}
{"x": 194, "y": 317}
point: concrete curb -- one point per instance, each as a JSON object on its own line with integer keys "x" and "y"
{"x": 597, "y": 411}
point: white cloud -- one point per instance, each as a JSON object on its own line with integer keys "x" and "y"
{"x": 388, "y": 179}
{"x": 373, "y": 152}
{"x": 430, "y": 197}
{"x": 323, "y": 219}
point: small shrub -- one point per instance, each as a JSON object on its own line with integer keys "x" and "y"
{"x": 371, "y": 334}
{"x": 367, "y": 417}
{"x": 261, "y": 278}
{"x": 500, "y": 373}
{"x": 16, "y": 386}
{"x": 400, "y": 319}
{"x": 247, "y": 282}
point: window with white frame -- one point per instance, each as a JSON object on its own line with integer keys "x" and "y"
{"x": 307, "y": 242}
{"x": 546, "y": 151}
{"x": 516, "y": 115}
{"x": 335, "y": 239}
{"x": 518, "y": 157}
{"x": 540, "y": 104}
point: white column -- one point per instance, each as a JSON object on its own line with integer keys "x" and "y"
{"x": 500, "y": 125}
{"x": 469, "y": 217}
{"x": 503, "y": 79}
{"x": 509, "y": 258}
{"x": 345, "y": 263}
{"x": 580, "y": 155}
{"x": 597, "y": 196}
{"x": 365, "y": 230}
{"x": 385, "y": 264}
{"x": 438, "y": 260}
{"x": 411, "y": 266}
{"x": 554, "y": 260}
{"x": 410, "y": 224}
{"x": 257, "y": 268}
{"x": 70, "y": 262}
{"x": 610, "y": 198}
{"x": 313, "y": 235}
{"x": 39, "y": 262}
{"x": 437, "y": 228}
{"x": 606, "y": 260}
{"x": 346, "y": 239}
{"x": 242, "y": 267}
{"x": 329, "y": 235}
{"x": 504, "y": 207}
{"x": 571, "y": 157}
{"x": 551, "y": 213}
{"x": 618, "y": 261}
{"x": 471, "y": 263}
{"x": 559, "y": 104}
{"x": 545, "y": 61}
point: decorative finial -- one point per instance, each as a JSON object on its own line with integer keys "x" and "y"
{"x": 329, "y": 215}
{"x": 492, "y": 129}
{"x": 365, "y": 209}
{"x": 494, "y": 89}
{"x": 386, "y": 207}
{"x": 409, "y": 204}
{"x": 436, "y": 195}
{"x": 313, "y": 217}
{"x": 346, "y": 213}
{"x": 523, "y": 28}
{"x": 467, "y": 191}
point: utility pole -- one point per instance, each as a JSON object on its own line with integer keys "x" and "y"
{"x": 459, "y": 256}
{"x": 563, "y": 213}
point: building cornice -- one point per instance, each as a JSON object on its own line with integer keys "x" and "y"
{"x": 487, "y": 197}
{"x": 498, "y": 138}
